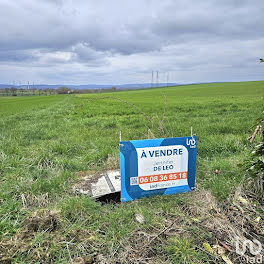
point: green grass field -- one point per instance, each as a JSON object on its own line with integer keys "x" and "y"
{"x": 47, "y": 141}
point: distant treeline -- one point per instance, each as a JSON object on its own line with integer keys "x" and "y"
{"x": 14, "y": 91}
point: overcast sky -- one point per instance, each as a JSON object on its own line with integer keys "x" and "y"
{"x": 123, "y": 41}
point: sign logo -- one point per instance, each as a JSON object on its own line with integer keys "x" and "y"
{"x": 191, "y": 142}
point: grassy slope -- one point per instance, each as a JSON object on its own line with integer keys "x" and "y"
{"x": 13, "y": 105}
{"x": 44, "y": 141}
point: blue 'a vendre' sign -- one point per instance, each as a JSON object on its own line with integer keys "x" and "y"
{"x": 157, "y": 167}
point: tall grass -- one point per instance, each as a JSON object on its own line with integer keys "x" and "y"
{"x": 46, "y": 142}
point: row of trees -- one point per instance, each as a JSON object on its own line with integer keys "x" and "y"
{"x": 13, "y": 91}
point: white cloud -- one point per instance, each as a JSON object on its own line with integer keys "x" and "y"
{"x": 123, "y": 41}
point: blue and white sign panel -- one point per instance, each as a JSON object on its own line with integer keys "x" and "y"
{"x": 157, "y": 167}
